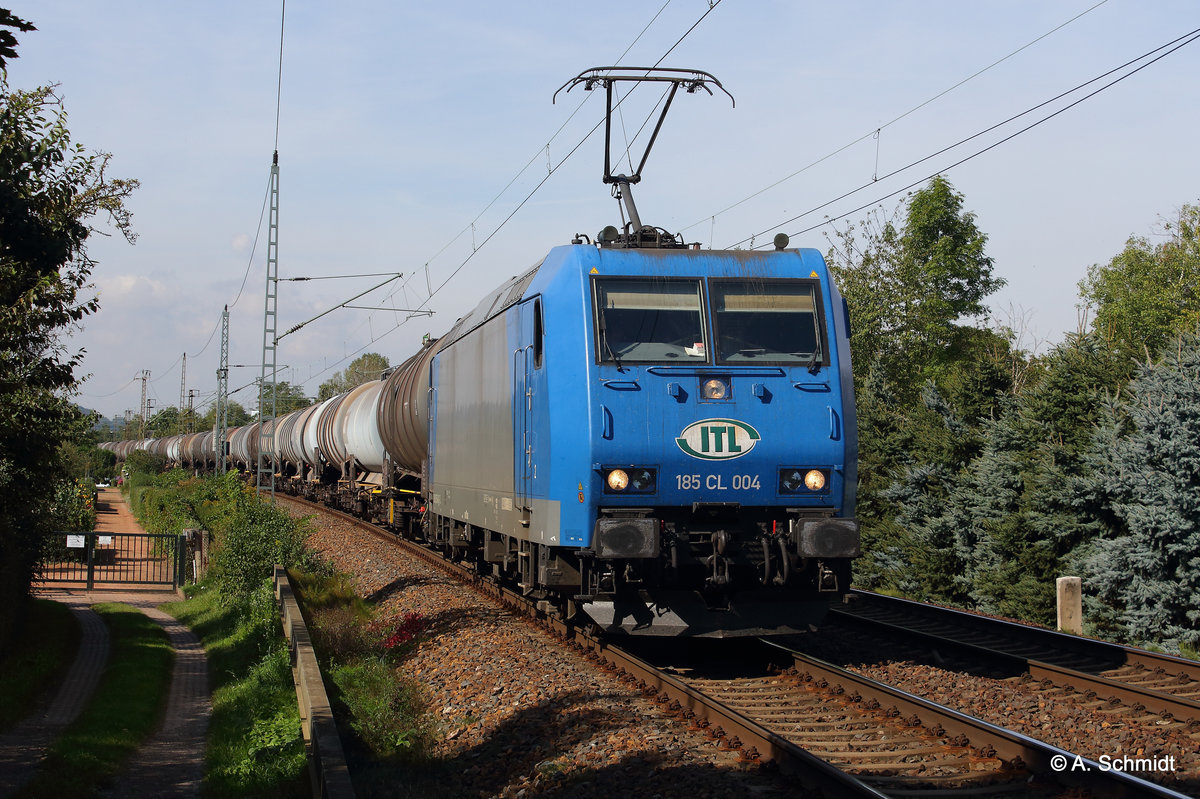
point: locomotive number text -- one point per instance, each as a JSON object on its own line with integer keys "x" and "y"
{"x": 717, "y": 482}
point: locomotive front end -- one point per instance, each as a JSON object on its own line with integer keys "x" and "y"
{"x": 723, "y": 443}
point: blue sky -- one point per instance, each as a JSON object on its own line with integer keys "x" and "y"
{"x": 401, "y": 122}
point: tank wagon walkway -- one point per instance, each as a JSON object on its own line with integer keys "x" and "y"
{"x": 171, "y": 761}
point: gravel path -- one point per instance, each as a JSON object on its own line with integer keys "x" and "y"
{"x": 520, "y": 714}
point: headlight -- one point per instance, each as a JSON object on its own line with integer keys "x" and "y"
{"x": 714, "y": 389}
{"x": 618, "y": 480}
{"x": 803, "y": 480}
{"x": 631, "y": 480}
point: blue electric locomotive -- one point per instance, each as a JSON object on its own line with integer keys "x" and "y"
{"x": 663, "y": 439}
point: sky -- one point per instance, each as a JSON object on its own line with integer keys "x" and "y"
{"x": 413, "y": 137}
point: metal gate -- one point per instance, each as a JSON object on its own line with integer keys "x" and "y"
{"x": 112, "y": 559}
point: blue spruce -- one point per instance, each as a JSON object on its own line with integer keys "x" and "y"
{"x": 1146, "y": 470}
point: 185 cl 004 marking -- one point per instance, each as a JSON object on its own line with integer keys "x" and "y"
{"x": 717, "y": 482}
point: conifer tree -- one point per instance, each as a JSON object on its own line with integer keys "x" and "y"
{"x": 934, "y": 540}
{"x": 1021, "y": 493}
{"x": 1146, "y": 466}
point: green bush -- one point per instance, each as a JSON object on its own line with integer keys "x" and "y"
{"x": 75, "y": 506}
{"x": 251, "y": 538}
{"x": 387, "y": 710}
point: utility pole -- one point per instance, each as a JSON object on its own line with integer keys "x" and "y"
{"x": 190, "y": 424}
{"x": 143, "y": 409}
{"x": 182, "y": 390}
{"x": 221, "y": 420}
{"x": 266, "y": 383}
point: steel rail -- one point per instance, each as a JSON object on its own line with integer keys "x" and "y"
{"x": 1176, "y": 707}
{"x": 1014, "y": 747}
{"x": 1049, "y": 662}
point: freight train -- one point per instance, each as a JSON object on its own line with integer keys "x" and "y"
{"x": 653, "y": 436}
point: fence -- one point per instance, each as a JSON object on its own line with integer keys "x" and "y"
{"x": 114, "y": 558}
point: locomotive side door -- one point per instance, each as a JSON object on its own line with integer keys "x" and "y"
{"x": 527, "y": 360}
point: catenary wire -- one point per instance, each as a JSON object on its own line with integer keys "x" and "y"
{"x": 1178, "y": 43}
{"x": 262, "y": 213}
{"x": 875, "y": 131}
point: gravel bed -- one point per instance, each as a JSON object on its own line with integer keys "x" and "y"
{"x": 520, "y": 713}
{"x": 1070, "y": 720}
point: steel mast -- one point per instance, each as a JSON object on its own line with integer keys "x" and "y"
{"x": 266, "y": 383}
{"x": 221, "y": 420}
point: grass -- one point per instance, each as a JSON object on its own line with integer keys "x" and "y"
{"x": 38, "y": 658}
{"x": 381, "y": 713}
{"x": 254, "y": 742}
{"x": 124, "y": 710}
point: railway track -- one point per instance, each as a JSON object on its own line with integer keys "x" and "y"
{"x": 834, "y": 731}
{"x": 1139, "y": 680}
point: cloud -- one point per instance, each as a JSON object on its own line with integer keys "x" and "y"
{"x": 121, "y": 288}
{"x": 240, "y": 242}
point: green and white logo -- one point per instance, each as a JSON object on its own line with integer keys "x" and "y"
{"x": 717, "y": 439}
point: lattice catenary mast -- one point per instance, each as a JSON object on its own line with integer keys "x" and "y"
{"x": 266, "y": 385}
{"x": 221, "y": 420}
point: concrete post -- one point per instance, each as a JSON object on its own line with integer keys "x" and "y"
{"x": 1070, "y": 605}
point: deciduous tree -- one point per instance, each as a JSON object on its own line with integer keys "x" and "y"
{"x": 1148, "y": 293}
{"x": 363, "y": 369}
{"x": 49, "y": 190}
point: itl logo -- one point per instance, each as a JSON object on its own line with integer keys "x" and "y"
{"x": 717, "y": 439}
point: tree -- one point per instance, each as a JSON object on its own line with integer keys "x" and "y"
{"x": 235, "y": 416}
{"x": 84, "y": 459}
{"x": 164, "y": 422}
{"x": 926, "y": 377}
{"x": 913, "y": 291}
{"x": 8, "y": 42}
{"x": 49, "y": 189}
{"x": 289, "y": 398}
{"x": 1146, "y": 470}
{"x": 363, "y": 369}
{"x": 1022, "y": 496}
{"x": 1148, "y": 293}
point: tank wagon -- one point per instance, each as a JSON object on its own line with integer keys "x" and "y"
{"x": 656, "y": 437}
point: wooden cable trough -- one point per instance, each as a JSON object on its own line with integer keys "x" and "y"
{"x": 327, "y": 767}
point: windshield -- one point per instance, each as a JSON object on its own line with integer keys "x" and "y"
{"x": 766, "y": 321}
{"x": 651, "y": 320}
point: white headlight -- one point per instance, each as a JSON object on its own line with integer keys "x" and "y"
{"x": 815, "y": 480}
{"x": 714, "y": 389}
{"x": 618, "y": 480}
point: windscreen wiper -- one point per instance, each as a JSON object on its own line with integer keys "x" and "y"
{"x": 814, "y": 362}
{"x": 604, "y": 342}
